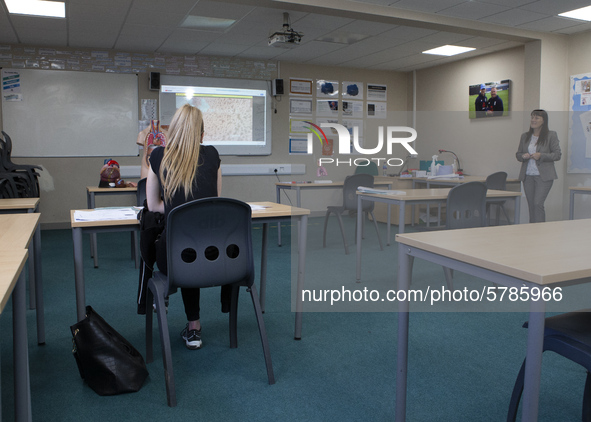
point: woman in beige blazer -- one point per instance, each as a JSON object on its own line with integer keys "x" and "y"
{"x": 538, "y": 149}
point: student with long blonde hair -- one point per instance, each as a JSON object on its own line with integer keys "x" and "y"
{"x": 183, "y": 171}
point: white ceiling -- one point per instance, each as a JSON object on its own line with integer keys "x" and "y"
{"x": 395, "y": 31}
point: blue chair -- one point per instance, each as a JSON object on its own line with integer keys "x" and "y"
{"x": 209, "y": 243}
{"x": 569, "y": 335}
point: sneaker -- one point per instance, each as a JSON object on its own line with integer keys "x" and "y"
{"x": 192, "y": 338}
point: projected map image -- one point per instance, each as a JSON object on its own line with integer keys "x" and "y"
{"x": 226, "y": 119}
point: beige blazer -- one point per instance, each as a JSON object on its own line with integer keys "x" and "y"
{"x": 549, "y": 153}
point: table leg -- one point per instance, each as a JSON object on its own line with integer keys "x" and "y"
{"x": 93, "y": 241}
{"x": 516, "y": 216}
{"x": 302, "y": 246}
{"x": 571, "y": 206}
{"x": 32, "y": 292}
{"x": 533, "y": 360}
{"x": 278, "y": 193}
{"x": 404, "y": 268}
{"x": 22, "y": 387}
{"x": 359, "y": 229}
{"x": 389, "y": 223}
{"x": 263, "y": 283}
{"x": 40, "y": 311}
{"x": 79, "y": 273}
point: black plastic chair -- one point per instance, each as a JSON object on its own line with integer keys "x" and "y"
{"x": 497, "y": 181}
{"x": 350, "y": 204}
{"x": 209, "y": 243}
{"x": 141, "y": 192}
{"x": 569, "y": 335}
{"x": 466, "y": 208}
{"x": 25, "y": 172}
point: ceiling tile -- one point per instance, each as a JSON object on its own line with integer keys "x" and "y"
{"x": 213, "y": 9}
{"x": 429, "y": 6}
{"x": 514, "y": 17}
{"x": 147, "y": 17}
{"x": 473, "y": 10}
{"x": 219, "y": 49}
{"x": 553, "y": 23}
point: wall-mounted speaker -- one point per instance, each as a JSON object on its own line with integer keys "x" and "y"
{"x": 277, "y": 86}
{"x": 154, "y": 82}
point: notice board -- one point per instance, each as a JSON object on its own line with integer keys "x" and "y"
{"x": 579, "y": 128}
{"x": 56, "y": 113}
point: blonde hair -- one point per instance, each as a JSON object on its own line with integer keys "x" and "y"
{"x": 181, "y": 154}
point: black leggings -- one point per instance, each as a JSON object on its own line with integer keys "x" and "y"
{"x": 191, "y": 296}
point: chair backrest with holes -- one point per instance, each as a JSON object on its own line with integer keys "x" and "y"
{"x": 466, "y": 206}
{"x": 350, "y": 188}
{"x": 209, "y": 243}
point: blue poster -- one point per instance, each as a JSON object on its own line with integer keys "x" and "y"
{"x": 579, "y": 139}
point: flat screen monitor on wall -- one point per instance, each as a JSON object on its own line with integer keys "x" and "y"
{"x": 236, "y": 112}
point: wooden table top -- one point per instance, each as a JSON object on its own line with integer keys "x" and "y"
{"x": 435, "y": 194}
{"x": 271, "y": 209}
{"x": 19, "y": 203}
{"x": 12, "y": 262}
{"x": 541, "y": 253}
{"x": 580, "y": 188}
{"x": 379, "y": 180}
{"x": 95, "y": 189}
{"x": 464, "y": 179}
{"x": 17, "y": 230}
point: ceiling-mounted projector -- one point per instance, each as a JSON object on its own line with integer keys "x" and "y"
{"x": 286, "y": 37}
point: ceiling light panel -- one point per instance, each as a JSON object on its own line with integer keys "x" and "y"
{"x": 448, "y": 50}
{"x": 583, "y": 14}
{"x": 206, "y": 23}
{"x": 52, "y": 9}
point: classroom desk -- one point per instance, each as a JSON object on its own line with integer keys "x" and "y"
{"x": 526, "y": 260}
{"x": 17, "y": 232}
{"x": 12, "y": 281}
{"x": 298, "y": 187}
{"x": 450, "y": 182}
{"x": 272, "y": 213}
{"x": 453, "y": 181}
{"x": 91, "y": 193}
{"x": 419, "y": 196}
{"x": 582, "y": 190}
{"x": 17, "y": 205}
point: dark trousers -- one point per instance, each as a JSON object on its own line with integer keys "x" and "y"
{"x": 536, "y": 192}
{"x": 191, "y": 296}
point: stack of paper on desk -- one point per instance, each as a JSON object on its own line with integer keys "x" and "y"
{"x": 101, "y": 214}
{"x": 446, "y": 176}
{"x": 380, "y": 191}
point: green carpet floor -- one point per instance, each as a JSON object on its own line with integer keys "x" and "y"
{"x": 462, "y": 365}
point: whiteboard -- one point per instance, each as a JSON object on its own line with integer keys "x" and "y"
{"x": 73, "y": 114}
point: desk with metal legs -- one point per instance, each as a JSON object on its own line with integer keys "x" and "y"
{"x": 12, "y": 281}
{"x": 298, "y": 187}
{"x": 525, "y": 260}
{"x": 271, "y": 213}
{"x": 419, "y": 196}
{"x": 14, "y": 225}
{"x": 581, "y": 190}
{"x": 91, "y": 193}
{"x": 18, "y": 205}
{"x": 451, "y": 181}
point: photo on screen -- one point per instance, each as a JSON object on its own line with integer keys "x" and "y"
{"x": 489, "y": 99}
{"x": 236, "y": 114}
